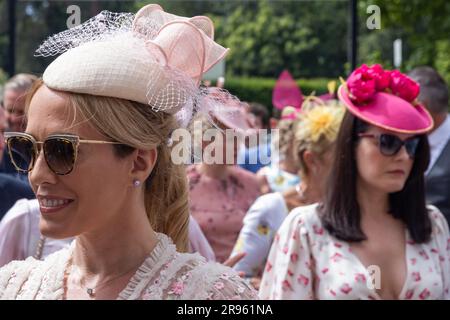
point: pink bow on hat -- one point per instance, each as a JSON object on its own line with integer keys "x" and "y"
{"x": 185, "y": 44}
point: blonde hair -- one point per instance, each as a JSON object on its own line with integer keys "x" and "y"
{"x": 286, "y": 128}
{"x": 137, "y": 126}
{"x": 317, "y": 128}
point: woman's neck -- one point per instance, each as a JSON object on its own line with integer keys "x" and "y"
{"x": 112, "y": 249}
{"x": 215, "y": 171}
{"x": 373, "y": 203}
{"x": 302, "y": 194}
{"x": 311, "y": 191}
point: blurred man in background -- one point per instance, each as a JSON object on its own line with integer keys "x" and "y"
{"x": 434, "y": 96}
{"x": 14, "y": 97}
{"x": 11, "y": 189}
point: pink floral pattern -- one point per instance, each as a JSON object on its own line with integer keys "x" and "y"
{"x": 219, "y": 206}
{"x": 316, "y": 265}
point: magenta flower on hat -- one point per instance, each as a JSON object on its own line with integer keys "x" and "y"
{"x": 403, "y": 86}
{"x": 382, "y": 77}
{"x": 361, "y": 85}
{"x": 365, "y": 81}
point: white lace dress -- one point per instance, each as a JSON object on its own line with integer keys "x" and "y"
{"x": 165, "y": 274}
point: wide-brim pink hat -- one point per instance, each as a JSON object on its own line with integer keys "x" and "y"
{"x": 385, "y": 109}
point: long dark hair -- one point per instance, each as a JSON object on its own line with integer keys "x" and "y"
{"x": 340, "y": 212}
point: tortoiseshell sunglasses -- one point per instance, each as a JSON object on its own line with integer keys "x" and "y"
{"x": 60, "y": 151}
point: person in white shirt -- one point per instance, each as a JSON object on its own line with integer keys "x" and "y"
{"x": 434, "y": 96}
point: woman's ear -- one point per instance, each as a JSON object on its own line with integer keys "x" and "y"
{"x": 310, "y": 160}
{"x": 143, "y": 163}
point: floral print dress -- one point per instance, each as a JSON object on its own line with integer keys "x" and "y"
{"x": 306, "y": 262}
{"x": 219, "y": 205}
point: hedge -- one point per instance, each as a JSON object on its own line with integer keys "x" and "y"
{"x": 260, "y": 89}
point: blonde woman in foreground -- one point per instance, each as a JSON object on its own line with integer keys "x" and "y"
{"x": 98, "y": 151}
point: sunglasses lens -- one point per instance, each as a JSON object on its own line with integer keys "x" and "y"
{"x": 389, "y": 144}
{"x": 60, "y": 155}
{"x": 411, "y": 146}
{"x": 21, "y": 152}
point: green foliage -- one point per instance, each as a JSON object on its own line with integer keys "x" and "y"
{"x": 3, "y": 77}
{"x": 276, "y": 35}
{"x": 442, "y": 61}
{"x": 260, "y": 89}
{"x": 309, "y": 38}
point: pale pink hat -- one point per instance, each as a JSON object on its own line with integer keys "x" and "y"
{"x": 153, "y": 57}
{"x": 386, "y": 99}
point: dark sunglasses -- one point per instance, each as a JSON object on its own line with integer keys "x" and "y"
{"x": 390, "y": 145}
{"x": 60, "y": 151}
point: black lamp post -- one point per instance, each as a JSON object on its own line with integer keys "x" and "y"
{"x": 10, "y": 66}
{"x": 353, "y": 34}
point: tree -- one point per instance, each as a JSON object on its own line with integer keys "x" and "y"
{"x": 277, "y": 35}
{"x": 424, "y": 27}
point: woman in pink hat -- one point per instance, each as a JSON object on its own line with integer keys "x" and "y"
{"x": 98, "y": 152}
{"x": 373, "y": 237}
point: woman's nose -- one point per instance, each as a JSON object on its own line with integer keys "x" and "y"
{"x": 402, "y": 154}
{"x": 41, "y": 173}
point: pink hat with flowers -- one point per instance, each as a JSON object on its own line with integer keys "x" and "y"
{"x": 386, "y": 99}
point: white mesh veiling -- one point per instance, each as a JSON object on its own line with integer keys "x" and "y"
{"x": 100, "y": 27}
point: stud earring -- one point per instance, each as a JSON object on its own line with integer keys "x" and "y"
{"x": 136, "y": 183}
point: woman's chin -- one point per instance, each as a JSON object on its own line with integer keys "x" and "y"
{"x": 393, "y": 187}
{"x": 51, "y": 230}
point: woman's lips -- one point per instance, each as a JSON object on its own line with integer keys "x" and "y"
{"x": 397, "y": 172}
{"x": 48, "y": 204}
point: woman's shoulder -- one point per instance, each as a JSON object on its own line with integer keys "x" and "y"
{"x": 269, "y": 204}
{"x": 193, "y": 278}
{"x": 26, "y": 275}
{"x": 438, "y": 222}
{"x": 212, "y": 280}
{"x": 306, "y": 216}
{"x": 14, "y": 275}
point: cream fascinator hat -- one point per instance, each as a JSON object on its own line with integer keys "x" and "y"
{"x": 153, "y": 57}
